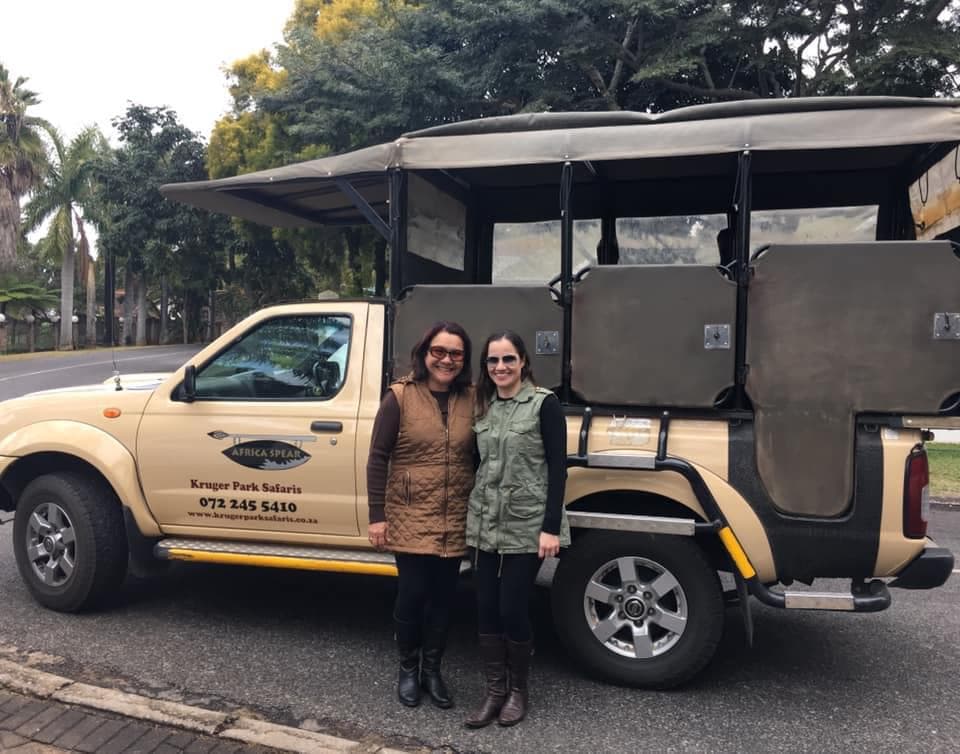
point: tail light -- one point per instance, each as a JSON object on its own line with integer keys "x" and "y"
{"x": 916, "y": 495}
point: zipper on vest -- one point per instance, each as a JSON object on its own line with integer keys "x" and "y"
{"x": 446, "y": 470}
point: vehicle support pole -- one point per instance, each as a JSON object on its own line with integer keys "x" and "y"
{"x": 398, "y": 229}
{"x": 566, "y": 272}
{"x": 743, "y": 208}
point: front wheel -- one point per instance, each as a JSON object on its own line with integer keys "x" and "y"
{"x": 638, "y": 609}
{"x": 69, "y": 541}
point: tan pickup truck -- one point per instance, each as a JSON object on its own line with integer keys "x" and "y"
{"x": 750, "y": 332}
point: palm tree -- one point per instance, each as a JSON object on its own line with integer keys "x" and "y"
{"x": 23, "y": 157}
{"x": 66, "y": 187}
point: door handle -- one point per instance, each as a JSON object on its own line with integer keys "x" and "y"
{"x": 319, "y": 426}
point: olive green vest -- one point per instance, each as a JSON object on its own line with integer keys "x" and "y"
{"x": 509, "y": 496}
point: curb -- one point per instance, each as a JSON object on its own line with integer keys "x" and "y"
{"x": 946, "y": 503}
{"x": 246, "y": 730}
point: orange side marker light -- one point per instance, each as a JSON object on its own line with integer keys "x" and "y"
{"x": 111, "y": 413}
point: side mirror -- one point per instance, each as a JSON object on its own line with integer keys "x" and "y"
{"x": 190, "y": 383}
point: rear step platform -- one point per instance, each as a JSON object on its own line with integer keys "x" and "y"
{"x": 300, "y": 557}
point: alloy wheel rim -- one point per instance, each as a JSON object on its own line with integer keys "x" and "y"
{"x": 635, "y": 607}
{"x": 51, "y": 544}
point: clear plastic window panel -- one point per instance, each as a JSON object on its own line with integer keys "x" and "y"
{"x": 529, "y": 253}
{"x": 436, "y": 224}
{"x": 818, "y": 225}
{"x": 678, "y": 239}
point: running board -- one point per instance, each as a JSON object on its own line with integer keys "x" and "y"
{"x": 231, "y": 552}
{"x": 869, "y": 597}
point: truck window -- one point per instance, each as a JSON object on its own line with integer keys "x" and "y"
{"x": 287, "y": 358}
{"x": 530, "y": 252}
{"x": 817, "y": 225}
{"x": 679, "y": 239}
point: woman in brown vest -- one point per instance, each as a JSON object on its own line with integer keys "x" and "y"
{"x": 419, "y": 477}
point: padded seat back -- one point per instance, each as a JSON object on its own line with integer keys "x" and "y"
{"x": 639, "y": 335}
{"x": 835, "y": 330}
{"x": 482, "y": 310}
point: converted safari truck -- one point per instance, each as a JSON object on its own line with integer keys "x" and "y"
{"x": 751, "y": 313}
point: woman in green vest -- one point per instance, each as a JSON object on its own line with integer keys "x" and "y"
{"x": 419, "y": 476}
{"x": 515, "y": 518}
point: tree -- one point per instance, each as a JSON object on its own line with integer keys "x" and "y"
{"x": 141, "y": 229}
{"x": 65, "y": 190}
{"x": 22, "y": 159}
{"x": 409, "y": 65}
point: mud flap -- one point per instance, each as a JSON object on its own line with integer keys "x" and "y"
{"x": 744, "y": 599}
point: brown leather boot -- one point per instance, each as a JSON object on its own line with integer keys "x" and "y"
{"x": 493, "y": 656}
{"x": 518, "y": 667}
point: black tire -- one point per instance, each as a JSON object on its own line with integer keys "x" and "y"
{"x": 88, "y": 562}
{"x": 678, "y": 651}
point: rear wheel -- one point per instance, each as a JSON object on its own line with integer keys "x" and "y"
{"x": 638, "y": 609}
{"x": 69, "y": 541}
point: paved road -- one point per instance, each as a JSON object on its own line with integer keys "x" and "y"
{"x": 48, "y": 370}
{"x": 315, "y": 649}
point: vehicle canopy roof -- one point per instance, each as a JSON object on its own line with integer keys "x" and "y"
{"x": 832, "y": 134}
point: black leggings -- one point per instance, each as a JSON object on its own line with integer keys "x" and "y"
{"x": 503, "y": 593}
{"x": 425, "y": 591}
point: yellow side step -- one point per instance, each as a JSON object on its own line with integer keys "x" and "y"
{"x": 276, "y": 556}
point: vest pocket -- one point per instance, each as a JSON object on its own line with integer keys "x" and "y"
{"x": 398, "y": 488}
{"x": 525, "y": 503}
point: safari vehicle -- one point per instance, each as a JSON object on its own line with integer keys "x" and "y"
{"x": 756, "y": 407}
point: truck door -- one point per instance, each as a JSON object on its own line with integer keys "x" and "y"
{"x": 269, "y": 442}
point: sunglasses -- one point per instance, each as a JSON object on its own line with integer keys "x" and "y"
{"x": 509, "y": 360}
{"x": 440, "y": 353}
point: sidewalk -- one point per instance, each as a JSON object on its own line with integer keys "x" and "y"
{"x": 32, "y": 726}
{"x": 42, "y": 713}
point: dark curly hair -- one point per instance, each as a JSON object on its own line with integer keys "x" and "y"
{"x": 418, "y": 356}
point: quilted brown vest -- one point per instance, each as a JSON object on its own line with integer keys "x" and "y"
{"x": 431, "y": 473}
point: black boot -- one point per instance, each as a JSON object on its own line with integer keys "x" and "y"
{"x": 408, "y": 646}
{"x": 492, "y": 654}
{"x": 518, "y": 667}
{"x": 434, "y": 643}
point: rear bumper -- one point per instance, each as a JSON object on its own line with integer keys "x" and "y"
{"x": 930, "y": 569}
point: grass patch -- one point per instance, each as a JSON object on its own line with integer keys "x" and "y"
{"x": 944, "y": 469}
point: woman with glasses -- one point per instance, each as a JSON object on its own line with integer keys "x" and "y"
{"x": 419, "y": 476}
{"x": 515, "y": 518}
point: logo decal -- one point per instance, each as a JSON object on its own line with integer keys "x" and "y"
{"x": 268, "y": 455}
{"x": 266, "y": 452}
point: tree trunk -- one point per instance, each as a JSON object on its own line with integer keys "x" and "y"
{"x": 164, "y": 304}
{"x": 91, "y": 304}
{"x": 9, "y": 225}
{"x": 142, "y": 309}
{"x": 129, "y": 284}
{"x": 66, "y": 297}
{"x": 185, "y": 316}
{"x": 354, "y": 238}
{"x": 211, "y": 316}
{"x": 379, "y": 266}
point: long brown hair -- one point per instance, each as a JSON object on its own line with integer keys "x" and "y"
{"x": 486, "y": 388}
{"x": 418, "y": 356}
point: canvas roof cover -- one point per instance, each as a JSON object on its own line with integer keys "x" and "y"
{"x": 307, "y": 193}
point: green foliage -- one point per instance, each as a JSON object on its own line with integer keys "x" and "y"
{"x": 944, "y": 469}
{"x": 23, "y": 158}
{"x": 20, "y": 299}
{"x": 65, "y": 191}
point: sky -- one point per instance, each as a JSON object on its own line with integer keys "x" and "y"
{"x": 86, "y": 59}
